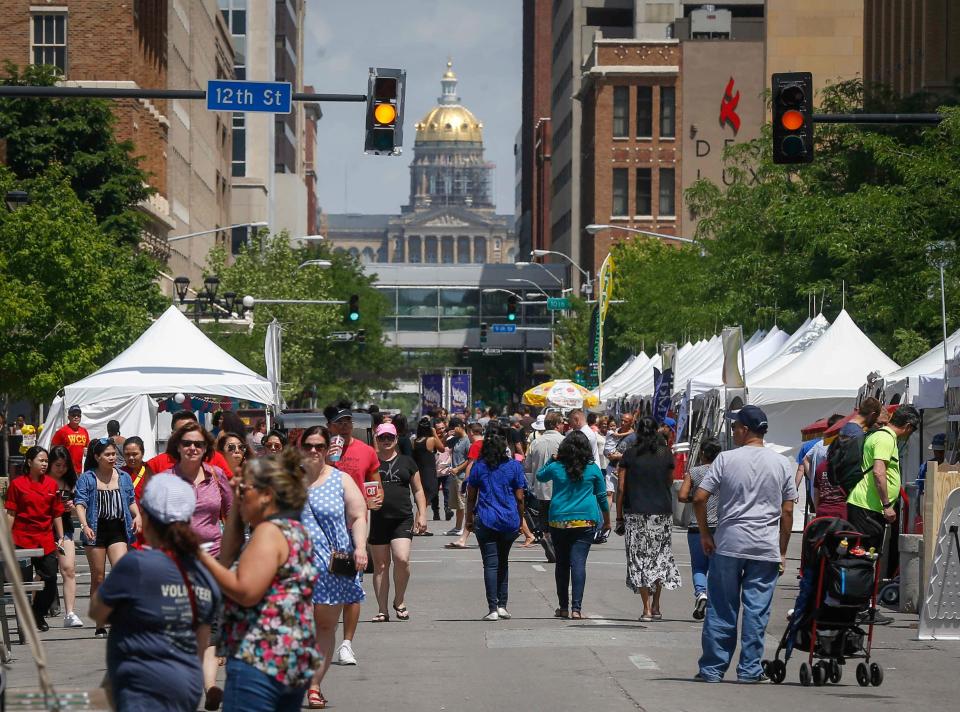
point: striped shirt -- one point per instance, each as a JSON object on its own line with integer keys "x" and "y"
{"x": 109, "y": 504}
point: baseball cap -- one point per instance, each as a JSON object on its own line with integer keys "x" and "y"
{"x": 74, "y": 409}
{"x": 670, "y": 422}
{"x": 341, "y": 414}
{"x": 751, "y": 417}
{"x": 939, "y": 442}
{"x": 385, "y": 429}
{"x": 539, "y": 424}
{"x": 168, "y": 498}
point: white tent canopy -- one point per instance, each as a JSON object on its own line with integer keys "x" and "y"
{"x": 754, "y": 355}
{"x": 923, "y": 377}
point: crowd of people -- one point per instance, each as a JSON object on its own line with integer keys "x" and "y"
{"x": 237, "y": 547}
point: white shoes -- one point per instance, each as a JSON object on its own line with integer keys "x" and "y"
{"x": 345, "y": 654}
{"x": 492, "y": 616}
{"x": 504, "y": 613}
{"x": 72, "y": 620}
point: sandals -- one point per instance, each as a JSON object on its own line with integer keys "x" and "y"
{"x": 560, "y": 613}
{"x": 315, "y": 700}
{"x": 455, "y": 545}
{"x": 380, "y": 618}
{"x": 576, "y": 615}
{"x": 402, "y": 613}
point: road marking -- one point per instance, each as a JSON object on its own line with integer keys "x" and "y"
{"x": 642, "y": 662}
{"x": 538, "y": 567}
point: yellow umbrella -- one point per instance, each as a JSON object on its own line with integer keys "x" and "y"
{"x": 560, "y": 394}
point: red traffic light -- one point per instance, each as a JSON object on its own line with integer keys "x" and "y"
{"x": 791, "y": 120}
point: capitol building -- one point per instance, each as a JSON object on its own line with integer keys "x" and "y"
{"x": 450, "y": 217}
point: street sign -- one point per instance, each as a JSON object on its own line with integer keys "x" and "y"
{"x": 232, "y": 95}
{"x": 492, "y": 352}
{"x": 555, "y": 303}
{"x": 342, "y": 336}
{"x": 504, "y": 328}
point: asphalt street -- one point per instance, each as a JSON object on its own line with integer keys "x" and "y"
{"x": 446, "y": 658}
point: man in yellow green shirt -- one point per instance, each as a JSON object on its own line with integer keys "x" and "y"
{"x": 870, "y": 505}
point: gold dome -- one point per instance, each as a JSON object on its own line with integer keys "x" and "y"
{"x": 450, "y": 122}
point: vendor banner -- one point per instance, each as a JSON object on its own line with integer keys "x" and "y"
{"x": 595, "y": 346}
{"x": 663, "y": 383}
{"x": 431, "y": 392}
{"x": 732, "y": 339}
{"x": 460, "y": 394}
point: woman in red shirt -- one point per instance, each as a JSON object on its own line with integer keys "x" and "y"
{"x": 140, "y": 473}
{"x": 34, "y": 509}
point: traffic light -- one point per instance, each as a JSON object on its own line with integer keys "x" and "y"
{"x": 361, "y": 337}
{"x": 465, "y": 354}
{"x": 511, "y": 309}
{"x": 483, "y": 332}
{"x": 353, "y": 308}
{"x": 385, "y": 90}
{"x": 792, "y": 117}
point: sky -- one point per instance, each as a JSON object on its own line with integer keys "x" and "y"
{"x": 343, "y": 39}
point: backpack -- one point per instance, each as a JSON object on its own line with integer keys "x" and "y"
{"x": 845, "y": 460}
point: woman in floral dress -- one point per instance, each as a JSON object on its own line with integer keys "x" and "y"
{"x": 268, "y": 633}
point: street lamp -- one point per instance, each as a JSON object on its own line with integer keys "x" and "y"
{"x": 322, "y": 264}
{"x": 16, "y": 199}
{"x": 215, "y": 229}
{"x": 206, "y": 301}
{"x": 181, "y": 285}
{"x": 531, "y": 282}
{"x": 594, "y": 229}
{"x": 544, "y": 268}
{"x": 587, "y": 285}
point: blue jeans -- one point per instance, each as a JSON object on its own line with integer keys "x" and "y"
{"x": 495, "y": 549}
{"x": 699, "y": 562}
{"x": 250, "y": 689}
{"x": 733, "y": 582}
{"x": 572, "y": 547}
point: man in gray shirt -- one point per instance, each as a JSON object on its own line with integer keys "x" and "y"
{"x": 755, "y": 492}
{"x": 542, "y": 450}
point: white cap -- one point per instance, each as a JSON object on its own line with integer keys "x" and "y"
{"x": 168, "y": 498}
{"x": 538, "y": 424}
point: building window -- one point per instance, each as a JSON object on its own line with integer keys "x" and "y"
{"x": 668, "y": 203}
{"x": 668, "y": 112}
{"x": 480, "y": 250}
{"x": 413, "y": 245}
{"x": 619, "y": 206}
{"x": 644, "y": 196}
{"x": 621, "y": 112}
{"x": 644, "y": 112}
{"x": 463, "y": 250}
{"x": 49, "y": 43}
{"x": 399, "y": 251}
{"x": 239, "y": 160}
{"x": 446, "y": 249}
{"x": 430, "y": 249}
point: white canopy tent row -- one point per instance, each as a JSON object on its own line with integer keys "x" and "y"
{"x": 171, "y": 356}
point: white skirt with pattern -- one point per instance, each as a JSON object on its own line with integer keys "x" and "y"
{"x": 649, "y": 553}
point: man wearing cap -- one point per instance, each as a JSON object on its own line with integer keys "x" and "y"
{"x": 74, "y": 437}
{"x": 360, "y": 461}
{"x": 755, "y": 492}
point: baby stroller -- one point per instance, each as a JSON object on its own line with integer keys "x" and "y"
{"x": 838, "y": 581}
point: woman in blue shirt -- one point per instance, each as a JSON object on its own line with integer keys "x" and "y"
{"x": 578, "y": 506}
{"x": 494, "y": 511}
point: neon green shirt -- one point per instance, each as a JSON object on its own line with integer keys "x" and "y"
{"x": 879, "y": 445}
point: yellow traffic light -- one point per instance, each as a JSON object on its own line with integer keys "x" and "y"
{"x": 385, "y": 113}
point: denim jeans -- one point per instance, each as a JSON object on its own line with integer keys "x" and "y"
{"x": 699, "y": 562}
{"x": 250, "y": 689}
{"x": 733, "y": 581}
{"x": 495, "y": 549}
{"x": 572, "y": 547}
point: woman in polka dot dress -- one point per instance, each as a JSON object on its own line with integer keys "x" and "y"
{"x": 335, "y": 516}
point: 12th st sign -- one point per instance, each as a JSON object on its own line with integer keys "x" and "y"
{"x": 231, "y": 95}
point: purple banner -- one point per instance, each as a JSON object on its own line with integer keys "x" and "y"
{"x": 431, "y": 392}
{"x": 460, "y": 394}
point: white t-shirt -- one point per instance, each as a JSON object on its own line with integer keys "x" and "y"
{"x": 751, "y": 485}
{"x": 592, "y": 437}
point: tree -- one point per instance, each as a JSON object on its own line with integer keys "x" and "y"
{"x": 72, "y": 299}
{"x": 313, "y": 365}
{"x": 78, "y": 134}
{"x": 571, "y": 340}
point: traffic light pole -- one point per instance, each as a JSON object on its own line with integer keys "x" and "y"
{"x": 57, "y": 92}
{"x": 928, "y": 119}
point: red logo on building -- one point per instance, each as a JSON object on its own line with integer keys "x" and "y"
{"x": 728, "y": 107}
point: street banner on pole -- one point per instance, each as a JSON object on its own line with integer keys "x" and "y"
{"x": 604, "y": 295}
{"x": 664, "y": 382}
{"x": 594, "y": 344}
{"x": 431, "y": 392}
{"x": 732, "y": 339}
{"x": 460, "y": 394}
{"x": 272, "y": 349}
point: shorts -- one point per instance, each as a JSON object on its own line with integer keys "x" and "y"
{"x": 457, "y": 499}
{"x": 111, "y": 531}
{"x": 611, "y": 478}
{"x": 383, "y": 530}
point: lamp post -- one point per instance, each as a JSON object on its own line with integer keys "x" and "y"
{"x": 322, "y": 264}
{"x": 530, "y": 282}
{"x": 587, "y": 285}
{"x": 207, "y": 301}
{"x": 544, "y": 268}
{"x": 594, "y": 229}
{"x": 176, "y": 238}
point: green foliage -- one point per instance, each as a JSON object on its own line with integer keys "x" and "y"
{"x": 267, "y": 269}
{"x": 72, "y": 298}
{"x": 863, "y": 226}
{"x": 77, "y": 134}
{"x": 571, "y": 339}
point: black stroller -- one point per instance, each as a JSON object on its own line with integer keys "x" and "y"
{"x": 838, "y": 590}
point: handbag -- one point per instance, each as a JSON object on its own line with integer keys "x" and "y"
{"x": 342, "y": 562}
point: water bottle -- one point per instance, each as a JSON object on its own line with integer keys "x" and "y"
{"x": 335, "y": 449}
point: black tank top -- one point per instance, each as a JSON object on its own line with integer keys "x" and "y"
{"x": 426, "y": 460}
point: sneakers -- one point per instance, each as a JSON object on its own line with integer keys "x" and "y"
{"x": 72, "y": 620}
{"x": 700, "y": 607}
{"x": 699, "y": 677}
{"x": 872, "y": 615}
{"x": 448, "y": 515}
{"x": 492, "y": 616}
{"x": 345, "y": 654}
{"x": 504, "y": 613}
{"x": 454, "y": 532}
{"x": 100, "y": 633}
{"x": 759, "y": 680}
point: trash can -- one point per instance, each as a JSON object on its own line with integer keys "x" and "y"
{"x": 911, "y": 551}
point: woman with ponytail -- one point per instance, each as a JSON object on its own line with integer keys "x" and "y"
{"x": 160, "y": 603}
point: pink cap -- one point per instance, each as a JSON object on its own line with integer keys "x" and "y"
{"x": 385, "y": 429}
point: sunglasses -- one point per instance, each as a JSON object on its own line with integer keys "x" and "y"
{"x": 236, "y": 448}
{"x": 273, "y": 446}
{"x": 104, "y": 441}
{"x": 310, "y": 447}
{"x": 386, "y": 438}
{"x": 199, "y": 444}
